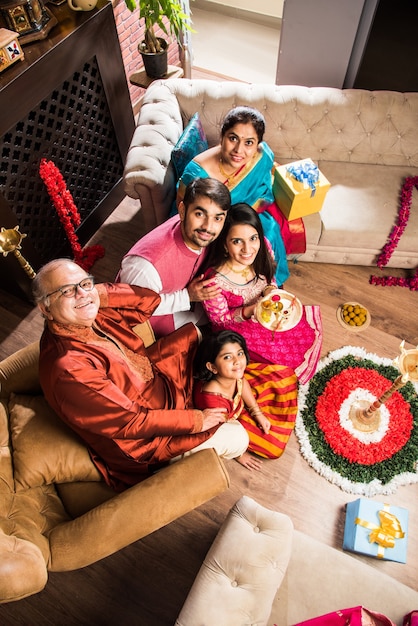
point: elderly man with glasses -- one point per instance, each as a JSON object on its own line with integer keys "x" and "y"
{"x": 130, "y": 404}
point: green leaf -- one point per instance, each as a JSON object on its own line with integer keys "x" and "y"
{"x": 154, "y": 11}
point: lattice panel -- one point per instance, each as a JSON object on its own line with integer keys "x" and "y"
{"x": 73, "y": 128}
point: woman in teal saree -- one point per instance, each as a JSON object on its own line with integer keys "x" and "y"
{"x": 244, "y": 163}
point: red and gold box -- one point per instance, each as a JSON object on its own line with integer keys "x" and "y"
{"x": 10, "y": 50}
{"x": 294, "y": 197}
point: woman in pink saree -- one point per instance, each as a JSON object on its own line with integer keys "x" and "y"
{"x": 241, "y": 265}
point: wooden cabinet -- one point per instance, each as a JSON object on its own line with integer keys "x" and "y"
{"x": 67, "y": 101}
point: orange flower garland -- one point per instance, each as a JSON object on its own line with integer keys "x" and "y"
{"x": 68, "y": 214}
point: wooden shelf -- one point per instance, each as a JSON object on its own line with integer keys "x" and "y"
{"x": 141, "y": 79}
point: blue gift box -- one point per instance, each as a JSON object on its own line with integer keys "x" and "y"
{"x": 376, "y": 529}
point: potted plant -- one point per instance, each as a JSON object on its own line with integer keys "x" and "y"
{"x": 154, "y": 49}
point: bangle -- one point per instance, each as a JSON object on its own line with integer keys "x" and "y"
{"x": 254, "y": 410}
{"x": 267, "y": 287}
{"x": 239, "y": 315}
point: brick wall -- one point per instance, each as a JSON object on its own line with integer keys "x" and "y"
{"x": 130, "y": 30}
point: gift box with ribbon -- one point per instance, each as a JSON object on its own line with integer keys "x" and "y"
{"x": 299, "y": 188}
{"x": 376, "y": 529}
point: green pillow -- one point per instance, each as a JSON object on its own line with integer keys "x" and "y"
{"x": 191, "y": 142}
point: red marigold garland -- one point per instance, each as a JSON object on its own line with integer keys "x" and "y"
{"x": 394, "y": 237}
{"x": 68, "y": 214}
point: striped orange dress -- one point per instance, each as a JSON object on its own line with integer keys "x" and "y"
{"x": 275, "y": 389}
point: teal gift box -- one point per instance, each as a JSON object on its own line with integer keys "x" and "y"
{"x": 376, "y": 529}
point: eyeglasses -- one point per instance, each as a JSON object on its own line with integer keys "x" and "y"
{"x": 69, "y": 291}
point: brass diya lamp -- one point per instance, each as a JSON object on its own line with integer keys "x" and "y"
{"x": 366, "y": 416}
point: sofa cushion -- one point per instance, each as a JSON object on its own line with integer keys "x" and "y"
{"x": 19, "y": 371}
{"x": 6, "y": 467}
{"x": 245, "y": 565}
{"x": 192, "y": 141}
{"x": 363, "y": 201}
{"x": 45, "y": 450}
{"x": 23, "y": 569}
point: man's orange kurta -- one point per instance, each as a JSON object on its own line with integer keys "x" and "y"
{"x": 130, "y": 404}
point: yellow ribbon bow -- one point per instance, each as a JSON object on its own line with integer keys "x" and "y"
{"x": 384, "y": 535}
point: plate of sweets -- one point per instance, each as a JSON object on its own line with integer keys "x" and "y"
{"x": 279, "y": 310}
{"x": 353, "y": 316}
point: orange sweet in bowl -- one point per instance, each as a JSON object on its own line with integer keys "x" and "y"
{"x": 354, "y": 316}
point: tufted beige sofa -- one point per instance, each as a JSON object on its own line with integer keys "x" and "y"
{"x": 56, "y": 514}
{"x": 365, "y": 142}
{"x": 259, "y": 570}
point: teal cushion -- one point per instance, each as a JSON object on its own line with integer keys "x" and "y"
{"x": 191, "y": 142}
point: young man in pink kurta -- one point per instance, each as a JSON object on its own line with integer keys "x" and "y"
{"x": 167, "y": 259}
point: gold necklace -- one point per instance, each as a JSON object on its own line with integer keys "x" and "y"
{"x": 244, "y": 273}
{"x": 222, "y": 171}
{"x": 228, "y": 177}
{"x": 234, "y": 173}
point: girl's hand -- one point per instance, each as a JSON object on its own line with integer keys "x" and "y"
{"x": 259, "y": 418}
{"x": 264, "y": 423}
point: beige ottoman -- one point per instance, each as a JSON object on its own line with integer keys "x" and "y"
{"x": 243, "y": 569}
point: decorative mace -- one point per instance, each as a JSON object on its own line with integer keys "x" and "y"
{"x": 10, "y": 241}
{"x": 366, "y": 416}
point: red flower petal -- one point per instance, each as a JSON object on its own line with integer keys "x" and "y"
{"x": 341, "y": 441}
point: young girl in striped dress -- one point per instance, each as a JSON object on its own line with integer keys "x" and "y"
{"x": 263, "y": 397}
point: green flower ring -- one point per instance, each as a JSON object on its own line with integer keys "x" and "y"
{"x": 362, "y": 463}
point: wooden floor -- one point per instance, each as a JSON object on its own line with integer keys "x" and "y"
{"x": 147, "y": 583}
